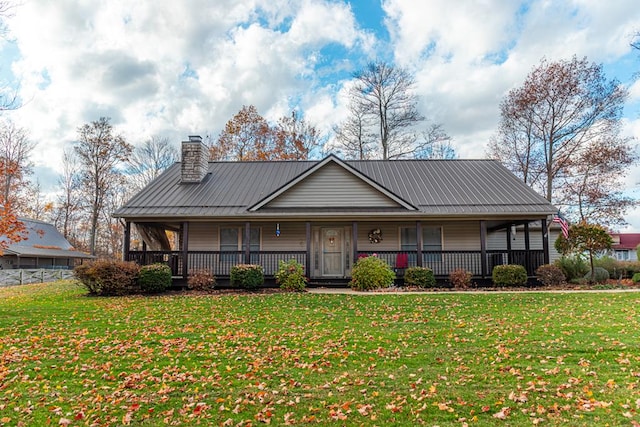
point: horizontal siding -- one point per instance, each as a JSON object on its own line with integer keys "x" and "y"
{"x": 331, "y": 187}
{"x": 293, "y": 236}
{"x": 203, "y": 236}
{"x": 461, "y": 236}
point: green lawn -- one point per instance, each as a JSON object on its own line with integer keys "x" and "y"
{"x": 435, "y": 359}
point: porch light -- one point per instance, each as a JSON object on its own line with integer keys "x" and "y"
{"x": 278, "y": 229}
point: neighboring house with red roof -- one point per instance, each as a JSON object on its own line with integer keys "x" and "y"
{"x": 624, "y": 246}
{"x": 43, "y": 246}
{"x": 442, "y": 214}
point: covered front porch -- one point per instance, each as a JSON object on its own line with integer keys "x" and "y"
{"x": 328, "y": 249}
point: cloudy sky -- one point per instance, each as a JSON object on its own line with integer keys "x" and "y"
{"x": 178, "y": 68}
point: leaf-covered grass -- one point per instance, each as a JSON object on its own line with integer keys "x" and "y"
{"x": 454, "y": 359}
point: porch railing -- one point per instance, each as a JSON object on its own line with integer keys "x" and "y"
{"x": 219, "y": 263}
{"x": 444, "y": 262}
{"x": 441, "y": 262}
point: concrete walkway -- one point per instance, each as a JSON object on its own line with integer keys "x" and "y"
{"x": 398, "y": 291}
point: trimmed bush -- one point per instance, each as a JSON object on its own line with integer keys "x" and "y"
{"x": 573, "y": 267}
{"x": 108, "y": 277}
{"x": 371, "y": 273}
{"x": 201, "y": 280}
{"x": 600, "y": 275}
{"x": 290, "y": 276}
{"x": 636, "y": 278}
{"x": 509, "y": 275}
{"x": 460, "y": 278}
{"x": 154, "y": 278}
{"x": 247, "y": 276}
{"x": 421, "y": 277}
{"x": 550, "y": 275}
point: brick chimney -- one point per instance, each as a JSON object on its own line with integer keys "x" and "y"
{"x": 195, "y": 160}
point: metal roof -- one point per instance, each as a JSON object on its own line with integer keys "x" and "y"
{"x": 435, "y": 187}
{"x": 42, "y": 239}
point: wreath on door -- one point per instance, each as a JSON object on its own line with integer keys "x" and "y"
{"x": 375, "y": 235}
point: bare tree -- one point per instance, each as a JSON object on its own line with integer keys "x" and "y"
{"x": 150, "y": 159}
{"x": 385, "y": 95}
{"x": 15, "y": 152}
{"x": 8, "y": 95}
{"x": 68, "y": 204}
{"x": 100, "y": 153}
{"x": 36, "y": 205}
{"x": 434, "y": 143}
{"x": 563, "y": 109}
{"x": 353, "y": 136}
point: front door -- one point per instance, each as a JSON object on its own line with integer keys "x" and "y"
{"x": 332, "y": 252}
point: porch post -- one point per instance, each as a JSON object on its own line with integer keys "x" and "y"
{"x": 509, "y": 254}
{"x": 483, "y": 248}
{"x": 545, "y": 241}
{"x": 527, "y": 249}
{"x": 127, "y": 241}
{"x": 307, "y": 258}
{"x": 419, "y": 242}
{"x": 247, "y": 242}
{"x": 354, "y": 242}
{"x": 185, "y": 250}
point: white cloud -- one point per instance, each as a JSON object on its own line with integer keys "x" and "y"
{"x": 176, "y": 68}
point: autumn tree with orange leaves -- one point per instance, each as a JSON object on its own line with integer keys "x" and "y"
{"x": 248, "y": 136}
{"x": 10, "y": 227}
{"x": 560, "y": 132}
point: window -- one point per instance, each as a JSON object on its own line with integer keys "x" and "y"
{"x": 431, "y": 242}
{"x": 622, "y": 255}
{"x": 229, "y": 245}
{"x": 232, "y": 241}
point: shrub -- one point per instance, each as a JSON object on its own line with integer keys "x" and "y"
{"x": 600, "y": 275}
{"x": 290, "y": 276}
{"x": 371, "y": 273}
{"x": 105, "y": 277}
{"x": 201, "y": 280}
{"x": 460, "y": 278}
{"x": 247, "y": 276}
{"x": 154, "y": 278}
{"x": 421, "y": 277}
{"x": 550, "y": 275}
{"x": 636, "y": 278}
{"x": 509, "y": 275}
{"x": 611, "y": 265}
{"x": 629, "y": 268}
{"x": 572, "y": 267}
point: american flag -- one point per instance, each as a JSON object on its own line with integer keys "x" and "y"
{"x": 564, "y": 224}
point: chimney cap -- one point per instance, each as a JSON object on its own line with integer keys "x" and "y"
{"x": 195, "y": 138}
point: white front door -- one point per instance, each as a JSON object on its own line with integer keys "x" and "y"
{"x": 332, "y": 252}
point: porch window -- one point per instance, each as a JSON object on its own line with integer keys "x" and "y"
{"x": 229, "y": 245}
{"x": 254, "y": 244}
{"x": 232, "y": 240}
{"x": 431, "y": 242}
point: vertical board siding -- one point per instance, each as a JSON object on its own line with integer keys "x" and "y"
{"x": 332, "y": 186}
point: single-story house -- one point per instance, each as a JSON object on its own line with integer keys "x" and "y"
{"x": 442, "y": 214}
{"x": 625, "y": 245}
{"x": 43, "y": 246}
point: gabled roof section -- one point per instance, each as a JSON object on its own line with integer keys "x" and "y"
{"x": 435, "y": 188}
{"x": 332, "y": 176}
{"x": 44, "y": 240}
